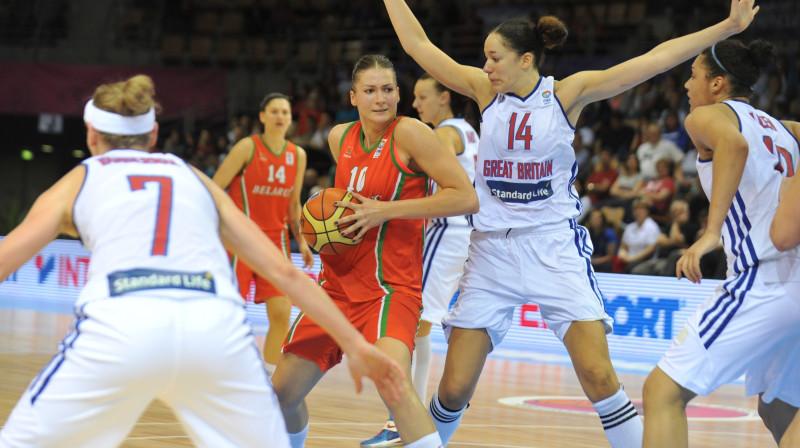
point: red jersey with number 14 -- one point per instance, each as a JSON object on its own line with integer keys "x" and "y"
{"x": 263, "y": 189}
{"x": 389, "y": 258}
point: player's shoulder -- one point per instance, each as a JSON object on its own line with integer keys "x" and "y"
{"x": 411, "y": 125}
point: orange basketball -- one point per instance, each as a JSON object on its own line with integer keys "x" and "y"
{"x": 318, "y": 218}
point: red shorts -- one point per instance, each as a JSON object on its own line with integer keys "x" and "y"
{"x": 395, "y": 316}
{"x": 244, "y": 275}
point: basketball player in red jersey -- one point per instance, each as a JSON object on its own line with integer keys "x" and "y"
{"x": 386, "y": 161}
{"x": 265, "y": 175}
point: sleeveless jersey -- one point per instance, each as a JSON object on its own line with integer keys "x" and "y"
{"x": 468, "y": 158}
{"x": 773, "y": 153}
{"x": 264, "y": 188}
{"x": 390, "y": 256}
{"x": 526, "y": 164}
{"x": 152, "y": 229}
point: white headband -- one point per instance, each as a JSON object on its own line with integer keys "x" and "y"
{"x": 111, "y": 123}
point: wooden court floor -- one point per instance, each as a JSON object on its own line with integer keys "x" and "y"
{"x": 340, "y": 418}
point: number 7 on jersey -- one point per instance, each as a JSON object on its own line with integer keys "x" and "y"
{"x": 163, "y": 210}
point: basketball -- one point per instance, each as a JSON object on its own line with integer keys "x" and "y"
{"x": 318, "y": 218}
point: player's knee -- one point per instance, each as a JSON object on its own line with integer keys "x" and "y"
{"x": 289, "y": 400}
{"x": 455, "y": 394}
{"x": 598, "y": 381}
{"x": 279, "y": 310}
{"x": 658, "y": 391}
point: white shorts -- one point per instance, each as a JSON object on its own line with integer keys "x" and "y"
{"x": 775, "y": 375}
{"x": 505, "y": 269}
{"x": 745, "y": 327}
{"x": 445, "y": 253}
{"x": 198, "y": 356}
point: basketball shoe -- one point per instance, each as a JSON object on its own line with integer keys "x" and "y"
{"x": 387, "y": 437}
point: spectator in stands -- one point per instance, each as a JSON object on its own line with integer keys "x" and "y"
{"x": 655, "y": 148}
{"x": 687, "y": 184}
{"x": 657, "y": 193}
{"x": 604, "y": 240}
{"x": 174, "y": 144}
{"x": 222, "y": 145}
{"x": 674, "y": 131}
{"x": 345, "y": 113}
{"x": 623, "y": 191}
{"x": 638, "y": 239}
{"x": 308, "y": 116}
{"x": 679, "y": 234}
{"x": 191, "y": 145}
{"x": 205, "y": 145}
{"x": 602, "y": 177}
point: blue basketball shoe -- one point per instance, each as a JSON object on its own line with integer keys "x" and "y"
{"x": 387, "y": 437}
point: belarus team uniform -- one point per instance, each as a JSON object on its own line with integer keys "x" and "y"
{"x": 263, "y": 191}
{"x": 527, "y": 246}
{"x": 750, "y": 324}
{"x": 378, "y": 283}
{"x": 447, "y": 239}
{"x": 159, "y": 317}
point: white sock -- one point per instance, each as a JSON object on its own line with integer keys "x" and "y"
{"x": 421, "y": 365}
{"x": 620, "y": 420}
{"x": 432, "y": 440}
{"x": 298, "y": 440}
{"x": 270, "y": 368}
{"x": 446, "y": 420}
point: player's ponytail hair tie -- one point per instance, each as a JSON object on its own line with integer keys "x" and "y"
{"x": 116, "y": 124}
{"x": 716, "y": 59}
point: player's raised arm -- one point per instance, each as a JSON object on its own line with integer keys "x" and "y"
{"x": 586, "y": 87}
{"x": 469, "y": 81}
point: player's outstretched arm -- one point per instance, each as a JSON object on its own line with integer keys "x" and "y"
{"x": 49, "y": 216}
{"x": 469, "y": 81}
{"x": 590, "y": 86}
{"x": 241, "y": 236}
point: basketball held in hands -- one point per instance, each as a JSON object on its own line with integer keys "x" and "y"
{"x": 317, "y": 221}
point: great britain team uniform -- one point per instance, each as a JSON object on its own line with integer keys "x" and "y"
{"x": 528, "y": 246}
{"x": 749, "y": 325}
{"x": 263, "y": 191}
{"x": 378, "y": 283}
{"x": 447, "y": 239}
{"x": 160, "y": 316}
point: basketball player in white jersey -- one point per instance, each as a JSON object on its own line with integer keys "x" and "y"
{"x": 160, "y": 315}
{"x": 751, "y": 323}
{"x": 446, "y": 239}
{"x": 527, "y": 246}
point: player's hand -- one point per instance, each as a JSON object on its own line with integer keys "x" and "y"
{"x": 742, "y": 13}
{"x": 308, "y": 256}
{"x": 367, "y": 360}
{"x": 689, "y": 264}
{"x": 368, "y": 214}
